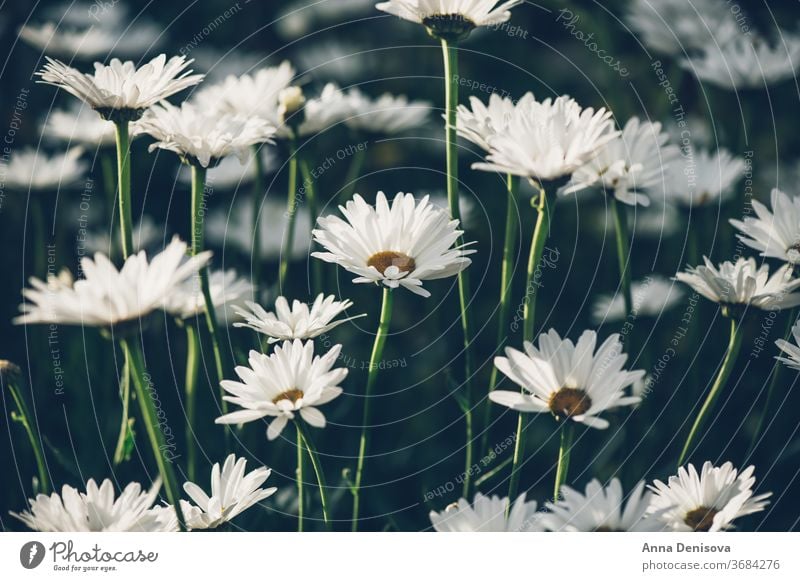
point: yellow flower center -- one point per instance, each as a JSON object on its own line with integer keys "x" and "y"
{"x": 569, "y": 401}
{"x": 291, "y": 394}
{"x": 700, "y": 519}
{"x": 383, "y": 260}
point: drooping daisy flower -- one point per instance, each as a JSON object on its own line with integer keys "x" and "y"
{"x": 709, "y": 501}
{"x": 232, "y": 493}
{"x": 674, "y": 26}
{"x": 569, "y": 380}
{"x": 35, "y": 170}
{"x": 631, "y": 163}
{"x": 792, "y": 352}
{"x": 399, "y": 245}
{"x": 107, "y": 296}
{"x": 747, "y": 61}
{"x": 774, "y": 233}
{"x": 297, "y": 322}
{"x": 487, "y": 515}
{"x": 651, "y": 297}
{"x": 549, "y": 139}
{"x": 227, "y": 291}
{"x": 602, "y": 510}
{"x": 387, "y": 115}
{"x": 203, "y": 137}
{"x": 743, "y": 283}
{"x": 230, "y": 173}
{"x": 289, "y": 380}
{"x": 83, "y": 126}
{"x": 452, "y": 20}
{"x": 120, "y": 90}
{"x": 96, "y": 510}
{"x": 702, "y": 178}
{"x": 479, "y": 123}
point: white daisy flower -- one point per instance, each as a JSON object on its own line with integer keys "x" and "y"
{"x": 792, "y": 352}
{"x": 451, "y": 19}
{"x": 289, "y": 380}
{"x": 227, "y": 291}
{"x": 83, "y": 126}
{"x": 602, "y": 510}
{"x": 549, "y": 139}
{"x": 651, "y": 297}
{"x": 628, "y": 164}
{"x": 399, "y": 245}
{"x": 387, "y": 115}
{"x": 107, "y": 296}
{"x": 702, "y": 178}
{"x": 35, "y": 170}
{"x": 97, "y": 510}
{"x": 775, "y": 233}
{"x": 747, "y": 61}
{"x": 320, "y": 113}
{"x": 569, "y": 380}
{"x": 297, "y": 322}
{"x": 232, "y": 493}
{"x": 673, "y": 26}
{"x": 120, "y": 89}
{"x": 202, "y": 136}
{"x": 744, "y": 283}
{"x": 709, "y": 501}
{"x": 487, "y": 515}
{"x": 479, "y": 123}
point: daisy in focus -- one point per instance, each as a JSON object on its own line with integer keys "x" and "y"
{"x": 791, "y": 351}
{"x": 298, "y": 322}
{"x": 709, "y": 501}
{"x": 487, "y": 514}
{"x": 571, "y": 381}
{"x": 774, "y": 233}
{"x": 32, "y": 169}
{"x": 602, "y": 509}
{"x": 743, "y": 283}
{"x": 97, "y": 510}
{"x": 651, "y": 297}
{"x": 291, "y": 380}
{"x": 106, "y": 296}
{"x": 232, "y": 493}
{"x": 402, "y": 244}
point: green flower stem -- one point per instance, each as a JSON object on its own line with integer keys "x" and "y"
{"x": 450, "y": 53}
{"x": 372, "y": 377}
{"x": 198, "y": 213}
{"x": 313, "y": 210}
{"x": 291, "y": 211}
{"x": 258, "y": 187}
{"x": 540, "y": 233}
{"x": 356, "y": 163}
{"x": 506, "y": 276}
{"x": 728, "y": 364}
{"x": 124, "y": 187}
{"x": 299, "y": 476}
{"x": 564, "y": 450}
{"x": 192, "y": 373}
{"x": 25, "y": 418}
{"x": 623, "y": 251}
{"x": 125, "y": 396}
{"x": 776, "y": 373}
{"x": 144, "y": 390}
{"x": 308, "y": 444}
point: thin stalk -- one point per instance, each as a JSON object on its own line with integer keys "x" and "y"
{"x": 26, "y": 419}
{"x": 564, "y": 450}
{"x": 299, "y": 475}
{"x": 291, "y": 212}
{"x": 124, "y": 187}
{"x": 372, "y": 377}
{"x": 313, "y": 210}
{"x": 450, "y": 54}
{"x": 258, "y": 187}
{"x": 308, "y": 444}
{"x": 125, "y": 396}
{"x": 144, "y": 391}
{"x": 540, "y": 233}
{"x": 734, "y": 344}
{"x": 356, "y": 163}
{"x": 776, "y": 372}
{"x": 623, "y": 251}
{"x": 506, "y": 276}
{"x": 192, "y": 373}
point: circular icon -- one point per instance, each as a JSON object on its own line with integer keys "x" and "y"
{"x": 31, "y": 554}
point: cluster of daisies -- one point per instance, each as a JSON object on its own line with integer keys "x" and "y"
{"x": 556, "y": 144}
